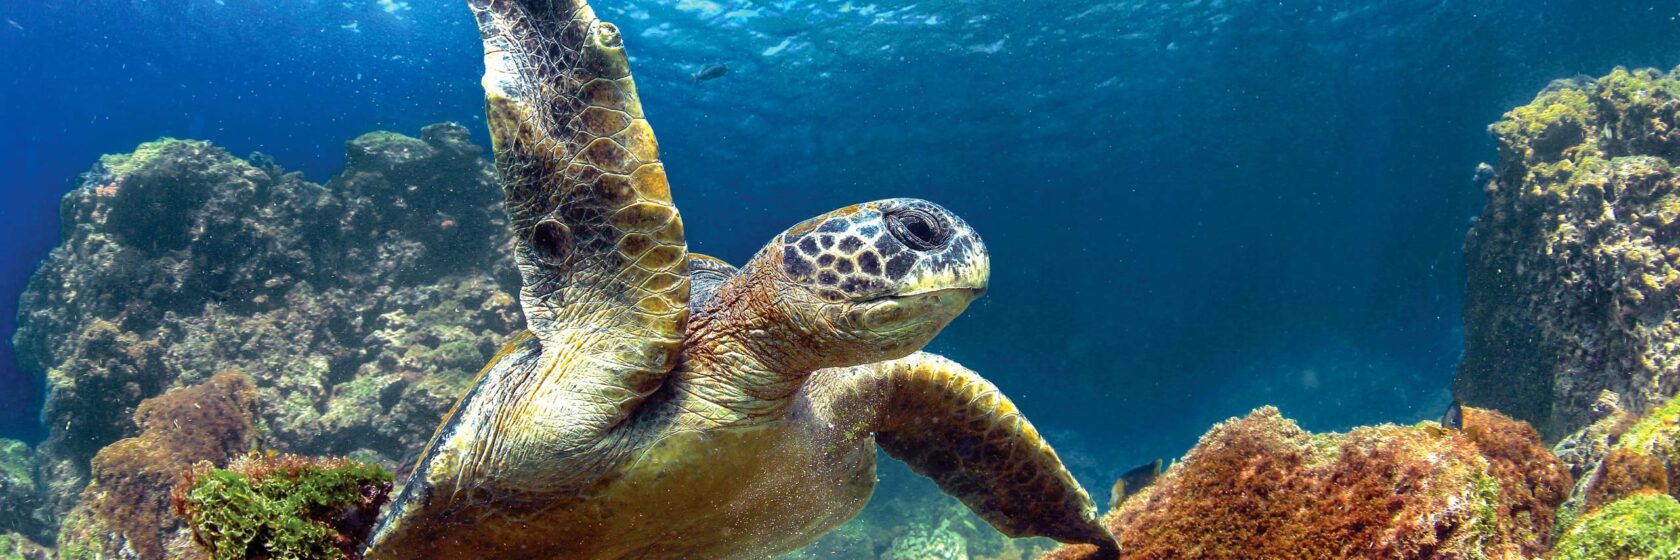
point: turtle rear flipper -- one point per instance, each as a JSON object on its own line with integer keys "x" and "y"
{"x": 954, "y": 427}
{"x": 600, "y": 245}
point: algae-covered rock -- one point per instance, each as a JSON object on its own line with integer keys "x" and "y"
{"x": 282, "y": 506}
{"x": 1573, "y": 268}
{"x": 124, "y": 512}
{"x": 1646, "y": 526}
{"x": 1645, "y": 457}
{"x": 1261, "y": 487}
{"x": 357, "y": 308}
{"x": 21, "y": 497}
{"x": 14, "y": 546}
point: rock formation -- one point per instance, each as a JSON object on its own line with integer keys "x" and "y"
{"x": 1574, "y": 265}
{"x": 1260, "y": 487}
{"x": 359, "y": 309}
{"x": 125, "y": 510}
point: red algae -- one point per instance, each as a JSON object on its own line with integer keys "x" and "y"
{"x": 1261, "y": 487}
{"x": 127, "y": 504}
{"x": 1625, "y": 473}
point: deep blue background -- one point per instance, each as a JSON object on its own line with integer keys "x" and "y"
{"x": 1194, "y": 208}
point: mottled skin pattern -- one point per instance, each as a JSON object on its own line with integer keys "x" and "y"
{"x": 667, "y": 405}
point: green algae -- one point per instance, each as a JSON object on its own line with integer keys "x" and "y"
{"x": 17, "y": 547}
{"x": 281, "y": 514}
{"x": 1657, "y": 427}
{"x": 121, "y": 165}
{"x": 1644, "y": 526}
{"x": 15, "y": 460}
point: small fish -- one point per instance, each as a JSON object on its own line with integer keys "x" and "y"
{"x": 14, "y": 24}
{"x": 1134, "y": 481}
{"x": 1454, "y": 418}
{"x": 712, "y": 72}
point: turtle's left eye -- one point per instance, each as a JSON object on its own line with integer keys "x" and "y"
{"x": 919, "y": 229}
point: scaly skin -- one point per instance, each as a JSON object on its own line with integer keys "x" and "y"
{"x": 618, "y": 428}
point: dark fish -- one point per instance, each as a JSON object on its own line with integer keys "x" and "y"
{"x": 712, "y": 72}
{"x": 1454, "y": 418}
{"x": 1134, "y": 481}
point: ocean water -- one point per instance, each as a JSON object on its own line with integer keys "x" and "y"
{"x": 1193, "y": 208}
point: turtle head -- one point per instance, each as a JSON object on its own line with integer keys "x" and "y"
{"x": 874, "y": 281}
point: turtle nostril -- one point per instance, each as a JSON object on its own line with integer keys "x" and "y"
{"x": 918, "y": 229}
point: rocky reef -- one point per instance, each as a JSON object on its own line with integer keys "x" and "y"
{"x": 1574, "y": 266}
{"x": 1261, "y": 487}
{"x": 125, "y": 511}
{"x": 359, "y": 310}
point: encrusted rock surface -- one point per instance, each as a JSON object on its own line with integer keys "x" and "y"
{"x": 1574, "y": 264}
{"x": 359, "y": 309}
{"x": 125, "y": 511}
{"x": 1260, "y": 487}
{"x": 21, "y": 497}
{"x": 14, "y": 546}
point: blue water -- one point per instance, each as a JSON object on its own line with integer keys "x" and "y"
{"x": 1194, "y": 208}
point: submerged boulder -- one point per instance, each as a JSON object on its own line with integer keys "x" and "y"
{"x": 359, "y": 309}
{"x": 1574, "y": 265}
{"x": 1261, "y": 487}
{"x": 125, "y": 511}
{"x": 1646, "y": 525}
{"x": 1643, "y": 461}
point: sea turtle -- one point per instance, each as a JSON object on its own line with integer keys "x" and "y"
{"x": 667, "y": 405}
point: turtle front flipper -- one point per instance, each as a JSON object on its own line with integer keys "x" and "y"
{"x": 954, "y": 427}
{"x": 599, "y": 243}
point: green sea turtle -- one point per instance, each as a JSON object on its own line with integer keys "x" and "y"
{"x": 668, "y": 405}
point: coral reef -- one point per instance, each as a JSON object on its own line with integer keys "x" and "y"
{"x": 125, "y": 511}
{"x": 1573, "y": 268}
{"x": 359, "y": 309}
{"x": 924, "y": 542}
{"x": 282, "y": 506}
{"x": 1261, "y": 487}
{"x": 1643, "y": 526}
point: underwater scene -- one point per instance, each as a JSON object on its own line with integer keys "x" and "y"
{"x": 928, "y": 279}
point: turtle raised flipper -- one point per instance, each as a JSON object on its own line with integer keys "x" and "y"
{"x": 951, "y": 425}
{"x": 599, "y": 244}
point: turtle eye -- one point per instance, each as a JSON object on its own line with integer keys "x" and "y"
{"x": 919, "y": 229}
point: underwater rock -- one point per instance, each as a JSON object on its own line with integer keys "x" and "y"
{"x": 360, "y": 309}
{"x": 125, "y": 510}
{"x": 1583, "y": 449}
{"x": 1573, "y": 268}
{"x": 14, "y": 546}
{"x": 20, "y": 495}
{"x": 928, "y": 543}
{"x": 282, "y": 506}
{"x": 1261, "y": 487}
{"x": 1643, "y": 526}
{"x": 1644, "y": 457}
